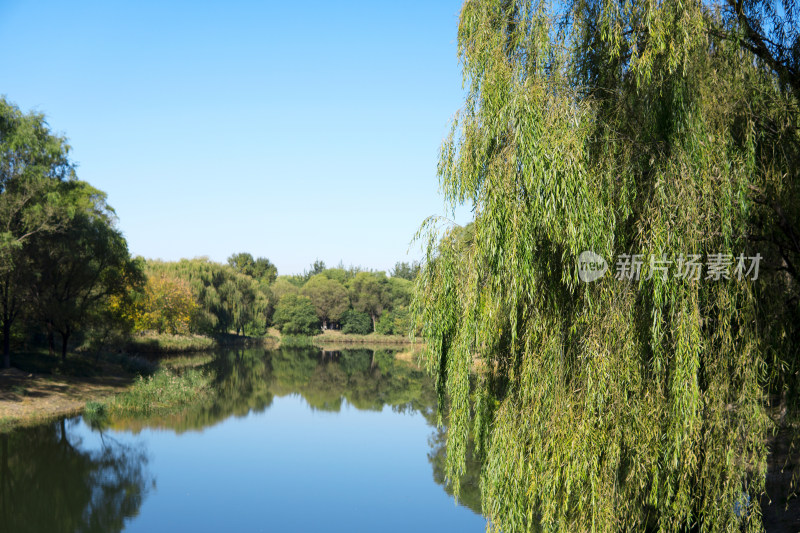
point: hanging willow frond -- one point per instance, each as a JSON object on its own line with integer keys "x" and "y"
{"x": 620, "y": 128}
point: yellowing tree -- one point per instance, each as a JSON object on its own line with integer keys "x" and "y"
{"x": 168, "y": 306}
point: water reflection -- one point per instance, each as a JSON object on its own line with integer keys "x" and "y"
{"x": 246, "y": 381}
{"x": 51, "y": 481}
{"x": 470, "y": 489}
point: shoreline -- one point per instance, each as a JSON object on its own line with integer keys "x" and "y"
{"x": 32, "y": 395}
{"x": 28, "y": 399}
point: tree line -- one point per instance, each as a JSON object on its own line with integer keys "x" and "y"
{"x": 246, "y": 296}
{"x": 67, "y": 276}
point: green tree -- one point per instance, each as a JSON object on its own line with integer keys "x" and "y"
{"x": 282, "y": 287}
{"x": 260, "y": 269}
{"x": 33, "y": 164}
{"x": 228, "y": 300}
{"x": 654, "y": 127}
{"x": 356, "y": 323}
{"x": 370, "y": 293}
{"x": 405, "y": 270}
{"x": 328, "y": 296}
{"x": 242, "y": 301}
{"x": 385, "y": 325}
{"x": 295, "y": 315}
{"x": 77, "y": 270}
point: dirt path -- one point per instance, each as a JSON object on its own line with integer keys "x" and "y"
{"x": 27, "y": 398}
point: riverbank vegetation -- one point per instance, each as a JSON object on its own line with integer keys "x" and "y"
{"x": 661, "y": 132}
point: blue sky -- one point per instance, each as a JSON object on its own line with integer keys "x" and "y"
{"x": 293, "y": 131}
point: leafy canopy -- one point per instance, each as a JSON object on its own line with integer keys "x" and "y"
{"x": 655, "y": 127}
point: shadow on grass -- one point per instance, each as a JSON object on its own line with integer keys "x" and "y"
{"x": 41, "y": 375}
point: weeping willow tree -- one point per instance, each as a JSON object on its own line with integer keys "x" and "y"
{"x": 664, "y": 128}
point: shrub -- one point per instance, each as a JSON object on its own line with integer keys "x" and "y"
{"x": 355, "y": 322}
{"x": 295, "y": 315}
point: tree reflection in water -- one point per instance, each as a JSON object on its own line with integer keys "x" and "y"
{"x": 50, "y": 481}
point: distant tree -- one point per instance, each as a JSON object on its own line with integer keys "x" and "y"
{"x": 168, "y": 305}
{"x": 282, "y": 287}
{"x": 401, "y": 292}
{"x": 395, "y": 322}
{"x": 228, "y": 299}
{"x": 295, "y": 315}
{"x": 356, "y": 323}
{"x": 405, "y": 270}
{"x": 329, "y": 297}
{"x": 243, "y": 302}
{"x": 260, "y": 269}
{"x": 385, "y": 325}
{"x": 339, "y": 274}
{"x": 317, "y": 267}
{"x": 370, "y": 293}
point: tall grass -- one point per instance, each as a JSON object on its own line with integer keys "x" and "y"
{"x": 165, "y": 343}
{"x": 164, "y": 392}
{"x": 296, "y": 341}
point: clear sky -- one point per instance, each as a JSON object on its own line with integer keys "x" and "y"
{"x": 290, "y": 130}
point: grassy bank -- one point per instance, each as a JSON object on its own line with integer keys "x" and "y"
{"x": 40, "y": 387}
{"x": 167, "y": 391}
{"x": 155, "y": 343}
{"x": 403, "y": 348}
{"x": 337, "y": 337}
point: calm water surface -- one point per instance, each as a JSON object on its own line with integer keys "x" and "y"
{"x": 292, "y": 440}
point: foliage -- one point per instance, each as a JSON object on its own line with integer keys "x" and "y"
{"x": 370, "y": 293}
{"x": 77, "y": 270}
{"x": 282, "y": 287}
{"x": 295, "y": 315}
{"x": 169, "y": 343}
{"x": 227, "y": 300}
{"x": 317, "y": 267}
{"x": 355, "y": 322}
{"x": 260, "y": 269}
{"x": 168, "y": 306}
{"x": 397, "y": 322}
{"x": 328, "y": 296}
{"x": 407, "y": 271}
{"x": 34, "y": 166}
{"x": 164, "y": 392}
{"x": 655, "y": 128}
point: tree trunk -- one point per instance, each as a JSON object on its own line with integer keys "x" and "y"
{"x": 6, "y": 343}
{"x": 51, "y": 341}
{"x": 7, "y": 314}
{"x": 374, "y": 321}
{"x": 324, "y": 324}
{"x": 64, "y": 339}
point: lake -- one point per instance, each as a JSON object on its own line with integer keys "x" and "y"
{"x": 291, "y": 440}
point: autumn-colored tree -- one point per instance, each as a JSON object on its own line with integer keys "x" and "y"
{"x": 168, "y": 306}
